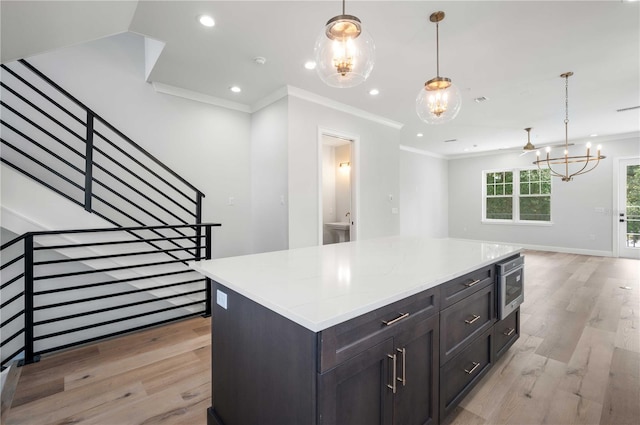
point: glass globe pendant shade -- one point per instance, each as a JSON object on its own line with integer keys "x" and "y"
{"x": 344, "y": 52}
{"x": 438, "y": 101}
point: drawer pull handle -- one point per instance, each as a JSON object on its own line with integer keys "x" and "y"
{"x": 468, "y": 322}
{"x": 393, "y": 379}
{"x": 475, "y": 366}
{"x": 470, "y": 284}
{"x": 397, "y": 319}
{"x": 404, "y": 366}
{"x": 509, "y": 332}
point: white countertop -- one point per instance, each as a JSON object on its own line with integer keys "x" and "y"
{"x": 321, "y": 286}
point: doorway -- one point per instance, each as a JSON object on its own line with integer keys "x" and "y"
{"x": 337, "y": 180}
{"x": 628, "y": 219}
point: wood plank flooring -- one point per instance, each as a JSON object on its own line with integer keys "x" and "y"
{"x": 577, "y": 362}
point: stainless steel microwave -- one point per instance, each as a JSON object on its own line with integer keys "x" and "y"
{"x": 510, "y": 285}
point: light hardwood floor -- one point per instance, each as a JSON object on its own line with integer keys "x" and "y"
{"x": 577, "y": 362}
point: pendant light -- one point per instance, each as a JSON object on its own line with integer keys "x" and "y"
{"x": 439, "y": 101}
{"x": 344, "y": 52}
{"x": 564, "y": 171}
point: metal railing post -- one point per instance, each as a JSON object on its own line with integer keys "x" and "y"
{"x": 198, "y": 221}
{"x": 209, "y": 283}
{"x": 28, "y": 302}
{"x": 88, "y": 168}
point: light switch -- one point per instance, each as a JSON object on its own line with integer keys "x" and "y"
{"x": 221, "y": 299}
{"x": 394, "y": 211}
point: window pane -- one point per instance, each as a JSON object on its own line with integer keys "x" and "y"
{"x": 490, "y": 190}
{"x": 524, "y": 176}
{"x": 524, "y": 188}
{"x": 489, "y": 177}
{"x": 545, "y": 175}
{"x": 508, "y": 177}
{"x": 537, "y": 208}
{"x": 499, "y": 208}
{"x": 535, "y": 188}
{"x": 534, "y": 175}
{"x": 499, "y": 189}
{"x": 499, "y": 177}
{"x": 545, "y": 188}
{"x": 508, "y": 189}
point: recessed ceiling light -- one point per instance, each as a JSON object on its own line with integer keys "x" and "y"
{"x": 374, "y": 92}
{"x": 235, "y": 89}
{"x": 206, "y": 20}
{"x": 593, "y": 135}
{"x": 310, "y": 65}
{"x": 419, "y": 135}
{"x": 466, "y": 149}
{"x": 480, "y": 99}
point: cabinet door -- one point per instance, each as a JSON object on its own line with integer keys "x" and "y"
{"x": 356, "y": 392}
{"x": 416, "y": 400}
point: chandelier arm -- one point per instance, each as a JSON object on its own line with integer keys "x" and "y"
{"x": 581, "y": 171}
{"x": 553, "y": 172}
{"x": 590, "y": 169}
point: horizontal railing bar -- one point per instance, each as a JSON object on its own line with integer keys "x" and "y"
{"x": 112, "y": 282}
{"x": 122, "y": 229}
{"x": 43, "y": 94}
{"x": 159, "y": 263}
{"x": 106, "y": 296}
{"x": 47, "y": 150}
{"x": 140, "y": 164}
{"x": 97, "y": 338}
{"x": 12, "y": 318}
{"x": 43, "y": 165}
{"x": 109, "y": 322}
{"x": 42, "y": 111}
{"x": 121, "y": 181}
{"x": 12, "y": 261}
{"x": 102, "y": 257}
{"x": 9, "y": 358}
{"x": 153, "y": 158}
{"x": 15, "y": 335}
{"x": 11, "y": 242}
{"x": 9, "y": 301}
{"x": 129, "y": 241}
{"x": 4, "y": 285}
{"x": 42, "y": 182}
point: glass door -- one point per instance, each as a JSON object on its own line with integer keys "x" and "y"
{"x": 629, "y": 208}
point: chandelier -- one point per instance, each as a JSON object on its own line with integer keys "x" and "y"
{"x": 439, "y": 100}
{"x": 588, "y": 161}
{"x": 344, "y": 52}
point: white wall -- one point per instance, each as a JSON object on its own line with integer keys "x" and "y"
{"x": 207, "y": 145}
{"x": 573, "y": 205}
{"x": 376, "y": 168}
{"x": 424, "y": 193}
{"x": 269, "y": 215}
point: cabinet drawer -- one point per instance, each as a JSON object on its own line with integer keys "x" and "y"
{"x": 463, "y": 321}
{"x": 506, "y": 332}
{"x": 345, "y": 340}
{"x": 461, "y": 374}
{"x": 463, "y": 286}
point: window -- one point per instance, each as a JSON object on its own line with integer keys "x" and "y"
{"x": 517, "y": 196}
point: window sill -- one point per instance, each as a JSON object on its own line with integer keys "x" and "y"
{"x": 519, "y": 223}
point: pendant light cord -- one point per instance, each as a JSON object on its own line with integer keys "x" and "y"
{"x": 437, "y": 50}
{"x": 566, "y": 123}
{"x": 343, "y": 6}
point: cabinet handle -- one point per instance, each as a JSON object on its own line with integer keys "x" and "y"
{"x": 468, "y": 322}
{"x": 475, "y": 366}
{"x": 393, "y": 379}
{"x": 404, "y": 366}
{"x": 509, "y": 332}
{"x": 397, "y": 319}
{"x": 470, "y": 284}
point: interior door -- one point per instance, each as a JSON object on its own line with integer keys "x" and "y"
{"x": 629, "y": 208}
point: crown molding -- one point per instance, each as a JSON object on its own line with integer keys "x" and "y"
{"x": 421, "y": 152}
{"x": 199, "y": 97}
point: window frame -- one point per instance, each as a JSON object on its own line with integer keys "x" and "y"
{"x": 515, "y": 198}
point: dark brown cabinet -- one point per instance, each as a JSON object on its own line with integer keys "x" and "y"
{"x": 394, "y": 382}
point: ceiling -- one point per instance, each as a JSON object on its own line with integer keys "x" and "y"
{"x": 512, "y": 53}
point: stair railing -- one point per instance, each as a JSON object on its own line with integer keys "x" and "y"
{"x": 61, "y": 289}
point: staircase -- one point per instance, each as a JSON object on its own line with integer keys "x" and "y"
{"x": 62, "y": 288}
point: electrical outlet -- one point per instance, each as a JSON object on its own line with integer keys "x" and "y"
{"x": 394, "y": 211}
{"x": 232, "y": 201}
{"x": 221, "y": 299}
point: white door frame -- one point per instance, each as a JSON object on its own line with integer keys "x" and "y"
{"x": 355, "y": 179}
{"x": 617, "y": 195}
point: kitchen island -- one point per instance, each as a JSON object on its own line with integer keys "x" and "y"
{"x": 362, "y": 332}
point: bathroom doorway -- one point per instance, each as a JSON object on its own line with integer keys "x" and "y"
{"x": 337, "y": 188}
